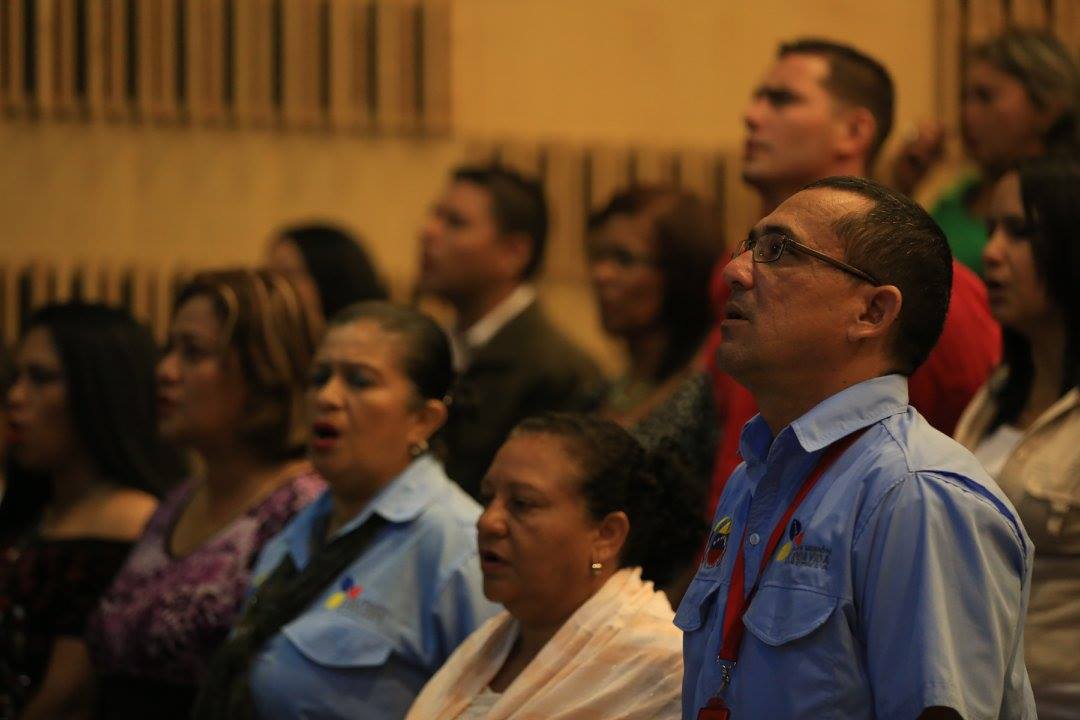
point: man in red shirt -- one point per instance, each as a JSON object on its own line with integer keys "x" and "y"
{"x": 825, "y": 109}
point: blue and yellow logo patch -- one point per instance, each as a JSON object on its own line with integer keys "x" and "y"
{"x": 718, "y": 542}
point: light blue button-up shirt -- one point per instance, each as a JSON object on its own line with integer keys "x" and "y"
{"x": 901, "y": 582}
{"x": 371, "y": 641}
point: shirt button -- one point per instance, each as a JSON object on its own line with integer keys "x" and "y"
{"x": 754, "y": 538}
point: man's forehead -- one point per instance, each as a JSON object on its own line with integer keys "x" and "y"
{"x": 797, "y": 70}
{"x": 809, "y": 213}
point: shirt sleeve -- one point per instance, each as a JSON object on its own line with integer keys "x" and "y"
{"x": 940, "y": 582}
{"x": 461, "y": 606}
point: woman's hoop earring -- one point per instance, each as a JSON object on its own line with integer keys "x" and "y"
{"x": 418, "y": 448}
{"x": 596, "y": 567}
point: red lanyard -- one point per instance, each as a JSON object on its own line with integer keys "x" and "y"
{"x": 737, "y": 600}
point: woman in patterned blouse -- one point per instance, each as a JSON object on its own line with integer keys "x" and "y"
{"x": 230, "y": 388}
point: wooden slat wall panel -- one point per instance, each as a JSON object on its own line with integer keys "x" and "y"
{"x": 397, "y": 34}
{"x": 46, "y": 55}
{"x": 301, "y": 65}
{"x": 578, "y": 180}
{"x": 566, "y": 198}
{"x": 1028, "y": 13}
{"x": 350, "y": 64}
{"x": 609, "y": 170}
{"x": 305, "y": 64}
{"x": 1065, "y": 20}
{"x": 986, "y": 18}
{"x": 253, "y": 62}
{"x": 436, "y": 96}
{"x": 12, "y": 49}
{"x": 146, "y": 292}
{"x": 66, "y": 98}
{"x": 156, "y": 59}
{"x": 117, "y": 59}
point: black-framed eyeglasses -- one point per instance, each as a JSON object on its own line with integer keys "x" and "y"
{"x": 769, "y": 246}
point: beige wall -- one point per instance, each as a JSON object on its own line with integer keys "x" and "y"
{"x": 668, "y": 73}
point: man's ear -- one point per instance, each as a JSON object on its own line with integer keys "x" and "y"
{"x": 856, "y": 132}
{"x": 516, "y": 250}
{"x": 880, "y": 311}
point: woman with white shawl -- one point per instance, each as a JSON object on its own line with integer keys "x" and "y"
{"x": 578, "y": 525}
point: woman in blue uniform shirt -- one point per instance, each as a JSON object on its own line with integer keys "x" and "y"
{"x": 366, "y": 592}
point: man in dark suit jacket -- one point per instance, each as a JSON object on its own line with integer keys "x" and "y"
{"x": 482, "y": 245}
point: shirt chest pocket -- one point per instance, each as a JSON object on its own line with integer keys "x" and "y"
{"x": 333, "y": 640}
{"x": 697, "y": 604}
{"x": 781, "y": 615}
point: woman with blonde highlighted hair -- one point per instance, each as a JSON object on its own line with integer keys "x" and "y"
{"x": 229, "y": 388}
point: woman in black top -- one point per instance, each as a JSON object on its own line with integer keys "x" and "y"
{"x": 83, "y": 469}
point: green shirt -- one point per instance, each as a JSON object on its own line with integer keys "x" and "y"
{"x": 966, "y": 233}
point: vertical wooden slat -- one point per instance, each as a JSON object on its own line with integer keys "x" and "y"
{"x": 697, "y": 173}
{"x": 1028, "y": 13}
{"x": 610, "y": 172}
{"x": 243, "y": 48}
{"x": 654, "y": 167}
{"x": 148, "y": 49}
{"x": 96, "y": 58}
{"x": 526, "y": 158}
{"x": 253, "y": 62}
{"x": 391, "y": 45}
{"x": 46, "y": 32}
{"x": 12, "y": 95}
{"x": 302, "y": 60}
{"x": 1065, "y": 21}
{"x": 167, "y": 105}
{"x": 116, "y": 39}
{"x": 9, "y": 310}
{"x": 157, "y": 50}
{"x": 948, "y": 80}
{"x": 480, "y": 152}
{"x": 436, "y": 92}
{"x": 986, "y": 18}
{"x": 566, "y": 199}
{"x": 142, "y": 294}
{"x": 349, "y": 64}
{"x": 66, "y": 101}
{"x": 205, "y": 60}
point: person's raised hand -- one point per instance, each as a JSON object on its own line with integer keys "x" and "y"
{"x": 922, "y": 148}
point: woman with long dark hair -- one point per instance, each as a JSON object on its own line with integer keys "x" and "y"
{"x": 328, "y": 265}
{"x": 84, "y": 469}
{"x": 1024, "y": 425}
{"x": 651, "y": 251}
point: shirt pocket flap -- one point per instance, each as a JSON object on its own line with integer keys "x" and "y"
{"x": 333, "y": 641}
{"x": 695, "y": 604}
{"x": 780, "y": 615}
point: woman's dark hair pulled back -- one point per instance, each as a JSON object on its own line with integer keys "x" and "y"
{"x": 427, "y": 361}
{"x": 654, "y": 489}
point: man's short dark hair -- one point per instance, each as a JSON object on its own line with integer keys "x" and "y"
{"x": 519, "y": 205}
{"x": 897, "y": 242}
{"x": 854, "y": 78}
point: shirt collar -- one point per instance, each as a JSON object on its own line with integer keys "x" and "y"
{"x": 839, "y": 415}
{"x": 402, "y": 500}
{"x": 466, "y": 342}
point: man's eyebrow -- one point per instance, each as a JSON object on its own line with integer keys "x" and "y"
{"x": 773, "y": 229}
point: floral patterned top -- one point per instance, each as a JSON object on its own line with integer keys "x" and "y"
{"x": 164, "y": 616}
{"x": 48, "y": 587}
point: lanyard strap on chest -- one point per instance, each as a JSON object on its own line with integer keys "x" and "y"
{"x": 738, "y": 601}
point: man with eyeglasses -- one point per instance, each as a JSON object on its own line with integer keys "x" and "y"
{"x": 825, "y": 109}
{"x": 861, "y": 563}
